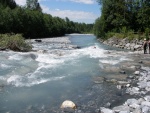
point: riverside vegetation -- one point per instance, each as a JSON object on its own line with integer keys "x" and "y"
{"x": 31, "y": 22}
{"x": 123, "y": 18}
{"x": 14, "y": 42}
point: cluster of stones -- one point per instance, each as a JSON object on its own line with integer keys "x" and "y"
{"x": 134, "y": 45}
{"x": 135, "y": 105}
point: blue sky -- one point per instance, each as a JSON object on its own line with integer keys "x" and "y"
{"x": 76, "y": 10}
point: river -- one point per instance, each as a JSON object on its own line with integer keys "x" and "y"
{"x": 37, "y": 82}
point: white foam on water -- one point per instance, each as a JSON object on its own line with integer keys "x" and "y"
{"x": 15, "y": 57}
{"x": 4, "y": 66}
{"x": 113, "y": 62}
{"x": 93, "y": 52}
{"x": 29, "y": 80}
{"x": 48, "y": 60}
{"x": 113, "y": 59}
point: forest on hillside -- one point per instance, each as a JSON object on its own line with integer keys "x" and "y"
{"x": 31, "y": 22}
{"x": 122, "y": 15}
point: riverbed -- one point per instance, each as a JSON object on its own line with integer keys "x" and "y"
{"x": 60, "y": 69}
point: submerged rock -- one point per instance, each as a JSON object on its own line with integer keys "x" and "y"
{"x": 98, "y": 80}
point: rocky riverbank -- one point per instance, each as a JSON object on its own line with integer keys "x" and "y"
{"x": 137, "y": 84}
{"x": 134, "y": 45}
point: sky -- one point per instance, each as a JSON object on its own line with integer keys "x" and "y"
{"x": 86, "y": 11}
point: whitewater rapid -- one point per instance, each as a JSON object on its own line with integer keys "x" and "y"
{"x": 29, "y": 69}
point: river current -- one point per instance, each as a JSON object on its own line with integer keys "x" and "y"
{"x": 36, "y": 82}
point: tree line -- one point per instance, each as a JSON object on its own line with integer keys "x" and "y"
{"x": 116, "y": 15}
{"x": 31, "y": 22}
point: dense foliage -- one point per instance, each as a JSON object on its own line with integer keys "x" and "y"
{"x": 32, "y": 23}
{"x": 134, "y": 15}
{"x": 14, "y": 42}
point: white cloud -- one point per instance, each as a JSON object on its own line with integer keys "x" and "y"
{"x": 84, "y": 1}
{"x": 81, "y": 1}
{"x": 78, "y": 16}
{"x": 21, "y": 2}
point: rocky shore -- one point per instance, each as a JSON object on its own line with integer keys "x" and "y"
{"x": 141, "y": 89}
{"x": 134, "y": 45}
{"x": 137, "y": 84}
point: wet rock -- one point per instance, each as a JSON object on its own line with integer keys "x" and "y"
{"x": 91, "y": 103}
{"x": 116, "y": 77}
{"x": 68, "y": 104}
{"x": 137, "y": 66}
{"x": 98, "y": 80}
{"x": 119, "y": 86}
{"x": 122, "y": 72}
{"x": 42, "y": 51}
{"x": 141, "y": 62}
{"x": 123, "y": 83}
{"x": 107, "y": 105}
{"x": 38, "y": 40}
{"x": 97, "y": 111}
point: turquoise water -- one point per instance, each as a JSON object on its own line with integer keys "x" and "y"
{"x": 35, "y": 82}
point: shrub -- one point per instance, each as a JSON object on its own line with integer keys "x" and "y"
{"x": 14, "y": 42}
{"x": 147, "y": 33}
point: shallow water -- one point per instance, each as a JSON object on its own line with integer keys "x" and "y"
{"x": 37, "y": 82}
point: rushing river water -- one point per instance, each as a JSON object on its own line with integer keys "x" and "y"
{"x": 37, "y": 82}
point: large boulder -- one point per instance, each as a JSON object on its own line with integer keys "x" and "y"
{"x": 68, "y": 104}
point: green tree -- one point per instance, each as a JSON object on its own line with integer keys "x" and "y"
{"x": 8, "y": 3}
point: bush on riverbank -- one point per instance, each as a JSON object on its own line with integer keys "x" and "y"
{"x": 14, "y": 42}
{"x": 129, "y": 34}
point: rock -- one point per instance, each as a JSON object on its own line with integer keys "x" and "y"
{"x": 114, "y": 78}
{"x": 145, "y": 109}
{"x": 42, "y": 51}
{"x": 105, "y": 110}
{"x": 140, "y": 100}
{"x": 68, "y": 104}
{"x": 108, "y": 105}
{"x": 132, "y": 101}
{"x": 137, "y": 72}
{"x": 38, "y": 40}
{"x": 122, "y": 72}
{"x": 124, "y": 112}
{"x": 142, "y": 84}
{"x": 137, "y": 111}
{"x": 145, "y": 103}
{"x": 122, "y": 108}
{"x": 135, "y": 106}
{"x": 128, "y": 85}
{"x": 147, "y": 98}
{"x": 141, "y": 62}
{"x": 123, "y": 82}
{"x": 99, "y": 80}
{"x": 119, "y": 86}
